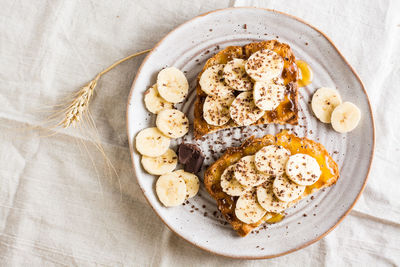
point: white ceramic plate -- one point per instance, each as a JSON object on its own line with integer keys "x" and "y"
{"x": 187, "y": 48}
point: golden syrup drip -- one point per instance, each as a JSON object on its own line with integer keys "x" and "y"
{"x": 296, "y": 145}
{"x": 305, "y": 73}
{"x": 276, "y": 218}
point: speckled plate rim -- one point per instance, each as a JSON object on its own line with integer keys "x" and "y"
{"x": 131, "y": 149}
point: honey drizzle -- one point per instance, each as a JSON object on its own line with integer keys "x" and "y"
{"x": 276, "y": 218}
{"x": 305, "y": 74}
{"x": 297, "y": 145}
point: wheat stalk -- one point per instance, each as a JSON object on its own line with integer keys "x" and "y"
{"x": 77, "y": 114}
{"x": 79, "y": 106}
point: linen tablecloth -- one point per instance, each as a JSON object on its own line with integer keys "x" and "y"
{"x": 59, "y": 205}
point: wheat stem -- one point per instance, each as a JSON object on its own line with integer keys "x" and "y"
{"x": 123, "y": 60}
{"x": 77, "y": 113}
{"x": 80, "y": 104}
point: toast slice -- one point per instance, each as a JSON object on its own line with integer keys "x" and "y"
{"x": 226, "y": 204}
{"x": 286, "y": 112}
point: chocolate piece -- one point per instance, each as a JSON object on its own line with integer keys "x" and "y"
{"x": 191, "y": 157}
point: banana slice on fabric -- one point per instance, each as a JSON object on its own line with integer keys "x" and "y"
{"x": 236, "y": 76}
{"x": 230, "y": 185}
{"x": 272, "y": 159}
{"x": 192, "y": 182}
{"x": 268, "y": 95}
{"x": 345, "y": 117}
{"x": 247, "y": 209}
{"x": 171, "y": 190}
{"x": 243, "y": 111}
{"x": 173, "y": 123}
{"x": 264, "y": 65}
{"x": 151, "y": 142}
{"x": 162, "y": 164}
{"x": 247, "y": 174}
{"x": 303, "y": 169}
{"x": 154, "y": 102}
{"x": 172, "y": 85}
{"x": 286, "y": 190}
{"x": 216, "y": 109}
{"x": 268, "y": 200}
{"x": 324, "y": 101}
{"x": 212, "y": 81}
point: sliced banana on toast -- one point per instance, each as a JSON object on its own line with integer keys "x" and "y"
{"x": 345, "y": 117}
{"x": 236, "y": 76}
{"x": 243, "y": 111}
{"x": 192, "y": 182}
{"x": 268, "y": 200}
{"x": 264, "y": 65}
{"x": 151, "y": 142}
{"x": 230, "y": 185}
{"x": 303, "y": 169}
{"x": 172, "y": 123}
{"x": 162, "y": 164}
{"x": 171, "y": 189}
{"x": 216, "y": 109}
{"x": 247, "y": 174}
{"x": 212, "y": 81}
{"x": 268, "y": 95}
{"x": 172, "y": 85}
{"x": 323, "y": 102}
{"x": 248, "y": 210}
{"x": 272, "y": 159}
{"x": 286, "y": 190}
{"x": 154, "y": 102}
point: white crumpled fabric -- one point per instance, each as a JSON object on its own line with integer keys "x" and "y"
{"x": 56, "y": 210}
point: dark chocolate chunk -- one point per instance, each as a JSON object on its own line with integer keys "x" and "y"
{"x": 184, "y": 153}
{"x": 191, "y": 157}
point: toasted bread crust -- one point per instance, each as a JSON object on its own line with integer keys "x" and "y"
{"x": 226, "y": 204}
{"x": 286, "y": 112}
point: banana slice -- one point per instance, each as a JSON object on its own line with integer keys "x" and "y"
{"x": 272, "y": 159}
{"x": 268, "y": 95}
{"x": 247, "y": 208}
{"x": 230, "y": 185}
{"x": 173, "y": 123}
{"x": 151, "y": 142}
{"x": 323, "y": 102}
{"x": 171, "y": 190}
{"x": 286, "y": 190}
{"x": 192, "y": 182}
{"x": 172, "y": 85}
{"x": 303, "y": 169}
{"x": 345, "y": 117}
{"x": 235, "y": 75}
{"x": 243, "y": 111}
{"x": 264, "y": 65}
{"x": 268, "y": 200}
{"x": 247, "y": 174}
{"x": 162, "y": 164}
{"x": 216, "y": 109}
{"x": 154, "y": 102}
{"x": 212, "y": 81}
